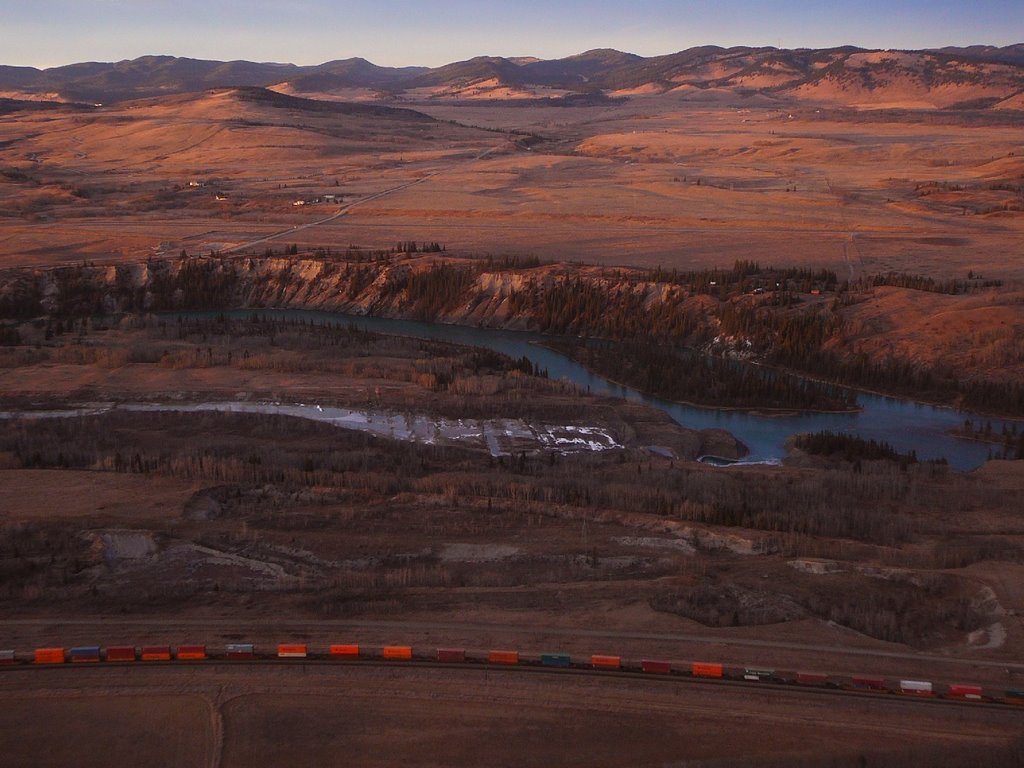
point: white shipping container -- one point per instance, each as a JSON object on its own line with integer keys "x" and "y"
{"x": 915, "y": 686}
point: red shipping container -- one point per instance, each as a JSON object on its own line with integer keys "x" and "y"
{"x": 191, "y": 652}
{"x": 156, "y": 653}
{"x": 811, "y": 678}
{"x": 291, "y": 651}
{"x": 503, "y": 657}
{"x": 397, "y": 652}
{"x": 868, "y": 683}
{"x": 965, "y": 691}
{"x": 703, "y": 669}
{"x": 345, "y": 650}
{"x": 451, "y": 654}
{"x": 121, "y": 653}
{"x": 606, "y": 662}
{"x": 656, "y": 667}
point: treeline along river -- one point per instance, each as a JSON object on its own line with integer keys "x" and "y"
{"x": 906, "y": 425}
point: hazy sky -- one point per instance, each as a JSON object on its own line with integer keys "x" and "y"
{"x": 432, "y": 32}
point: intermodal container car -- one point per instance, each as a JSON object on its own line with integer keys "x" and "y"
{"x": 49, "y": 656}
{"x": 606, "y": 662}
{"x": 448, "y": 655}
{"x": 240, "y": 651}
{"x": 7, "y": 657}
{"x": 811, "y": 678}
{"x": 916, "y": 687}
{"x": 191, "y": 652}
{"x": 503, "y": 657}
{"x": 291, "y": 651}
{"x": 864, "y": 683}
{"x": 656, "y": 667}
{"x": 84, "y": 653}
{"x": 397, "y": 652}
{"x": 704, "y": 669}
{"x": 344, "y": 651}
{"x": 561, "y": 660}
{"x": 758, "y": 675}
{"x": 1015, "y": 696}
{"x": 965, "y": 692}
{"x": 156, "y": 653}
{"x": 120, "y": 653}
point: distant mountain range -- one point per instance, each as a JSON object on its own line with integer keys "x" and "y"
{"x": 976, "y": 76}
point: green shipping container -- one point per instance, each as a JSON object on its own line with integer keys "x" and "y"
{"x": 556, "y": 660}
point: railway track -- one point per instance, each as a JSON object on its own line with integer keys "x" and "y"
{"x": 674, "y": 675}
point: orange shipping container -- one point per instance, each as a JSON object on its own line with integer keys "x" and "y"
{"x": 398, "y": 652}
{"x": 606, "y": 662}
{"x": 702, "y": 669}
{"x": 49, "y": 656}
{"x": 503, "y": 657}
{"x": 156, "y": 653}
{"x": 344, "y": 650}
{"x": 191, "y": 652}
{"x": 291, "y": 651}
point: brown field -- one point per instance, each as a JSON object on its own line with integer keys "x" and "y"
{"x": 652, "y": 181}
{"x": 366, "y": 716}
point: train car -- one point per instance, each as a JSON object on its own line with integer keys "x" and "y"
{"x": 867, "y": 683}
{"x": 503, "y": 657}
{"x": 291, "y": 651}
{"x": 240, "y": 651}
{"x": 605, "y": 662}
{"x": 84, "y": 654}
{"x": 756, "y": 675}
{"x": 812, "y": 678}
{"x": 1014, "y": 696}
{"x": 705, "y": 669}
{"x": 397, "y": 652}
{"x": 656, "y": 667}
{"x": 560, "y": 660}
{"x": 191, "y": 652}
{"x": 7, "y": 658}
{"x": 344, "y": 651}
{"x": 121, "y": 653}
{"x": 155, "y": 653}
{"x": 959, "y": 691}
{"x": 48, "y": 656}
{"x": 916, "y": 688}
{"x": 450, "y": 655}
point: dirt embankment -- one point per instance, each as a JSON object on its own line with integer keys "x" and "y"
{"x": 464, "y": 291}
{"x": 960, "y": 346}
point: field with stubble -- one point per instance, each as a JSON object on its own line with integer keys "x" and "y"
{"x": 362, "y": 715}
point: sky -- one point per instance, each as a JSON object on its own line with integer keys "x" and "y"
{"x": 45, "y": 33}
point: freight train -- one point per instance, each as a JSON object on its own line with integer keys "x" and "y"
{"x": 707, "y": 671}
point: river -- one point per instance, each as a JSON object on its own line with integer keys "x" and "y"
{"x": 904, "y": 424}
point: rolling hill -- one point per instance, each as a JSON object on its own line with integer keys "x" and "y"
{"x": 976, "y": 77}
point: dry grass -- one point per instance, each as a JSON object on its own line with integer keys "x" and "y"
{"x": 615, "y": 185}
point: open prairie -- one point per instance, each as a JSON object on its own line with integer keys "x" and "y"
{"x": 656, "y": 179}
